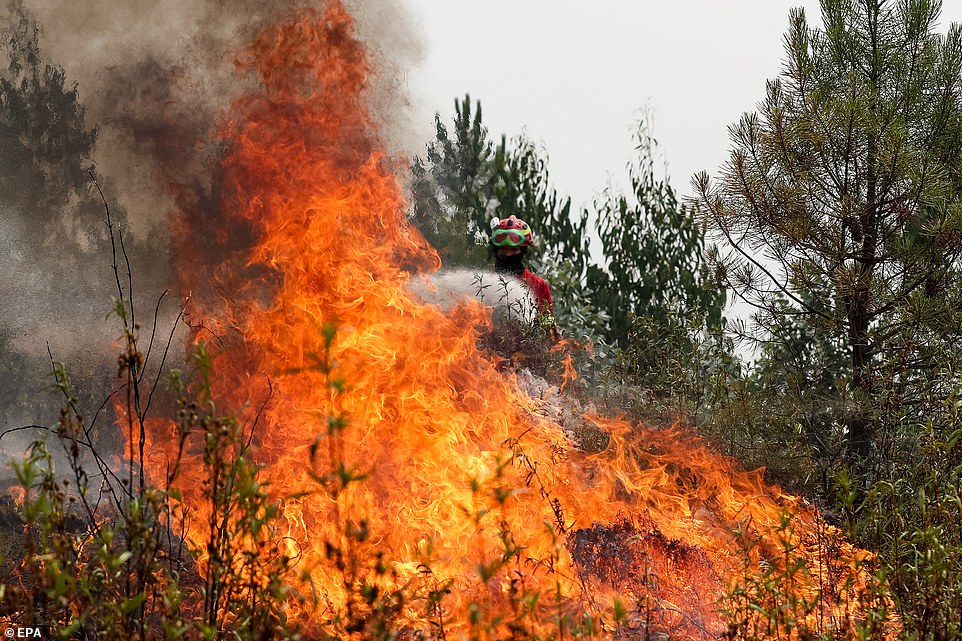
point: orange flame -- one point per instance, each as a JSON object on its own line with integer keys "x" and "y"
{"x": 465, "y": 474}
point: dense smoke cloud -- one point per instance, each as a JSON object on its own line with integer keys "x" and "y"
{"x": 153, "y": 80}
{"x": 156, "y": 75}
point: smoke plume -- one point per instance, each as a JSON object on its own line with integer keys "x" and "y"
{"x": 157, "y": 74}
{"x": 144, "y": 87}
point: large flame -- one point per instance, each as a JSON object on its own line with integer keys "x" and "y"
{"x": 465, "y": 474}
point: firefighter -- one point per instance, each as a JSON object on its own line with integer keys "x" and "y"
{"x": 510, "y": 239}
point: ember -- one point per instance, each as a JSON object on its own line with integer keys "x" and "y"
{"x": 668, "y": 582}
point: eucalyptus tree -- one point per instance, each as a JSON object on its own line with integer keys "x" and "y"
{"x": 842, "y": 195}
{"x": 652, "y": 251}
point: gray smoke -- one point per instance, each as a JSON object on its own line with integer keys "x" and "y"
{"x": 154, "y": 77}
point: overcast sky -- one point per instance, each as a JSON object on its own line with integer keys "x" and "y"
{"x": 575, "y": 75}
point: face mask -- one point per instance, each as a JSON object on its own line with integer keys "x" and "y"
{"x": 513, "y": 265}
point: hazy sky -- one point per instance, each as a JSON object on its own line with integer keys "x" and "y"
{"x": 574, "y": 75}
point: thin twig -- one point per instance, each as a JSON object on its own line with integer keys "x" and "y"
{"x": 163, "y": 359}
{"x": 260, "y": 411}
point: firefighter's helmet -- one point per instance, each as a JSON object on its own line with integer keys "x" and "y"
{"x": 511, "y": 232}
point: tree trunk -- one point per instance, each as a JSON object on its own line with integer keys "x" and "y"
{"x": 860, "y": 423}
{"x": 860, "y": 427}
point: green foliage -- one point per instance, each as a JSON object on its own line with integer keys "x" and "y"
{"x": 118, "y": 570}
{"x": 89, "y": 570}
{"x": 911, "y": 517}
{"x": 764, "y": 601}
{"x": 243, "y": 580}
{"x": 453, "y": 188}
{"x": 781, "y": 414}
{"x": 466, "y": 180}
{"x": 53, "y": 233}
{"x": 840, "y": 203}
{"x": 840, "y": 206}
{"x": 685, "y": 370}
{"x": 846, "y": 182}
{"x": 103, "y": 560}
{"x": 659, "y": 305}
{"x": 784, "y": 411}
{"x": 524, "y": 189}
{"x": 123, "y": 570}
{"x": 652, "y": 250}
{"x": 651, "y": 246}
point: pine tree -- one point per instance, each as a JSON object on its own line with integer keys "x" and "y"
{"x": 54, "y": 244}
{"x": 453, "y": 188}
{"x": 842, "y": 193}
{"x": 465, "y": 180}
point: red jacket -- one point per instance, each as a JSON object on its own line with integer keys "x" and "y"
{"x": 540, "y": 290}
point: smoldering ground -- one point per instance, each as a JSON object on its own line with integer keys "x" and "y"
{"x": 130, "y": 94}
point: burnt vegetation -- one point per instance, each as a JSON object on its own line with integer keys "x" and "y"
{"x": 837, "y": 220}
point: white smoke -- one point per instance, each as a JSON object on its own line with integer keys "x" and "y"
{"x": 509, "y": 298}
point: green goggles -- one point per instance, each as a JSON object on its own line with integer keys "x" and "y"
{"x": 508, "y": 238}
